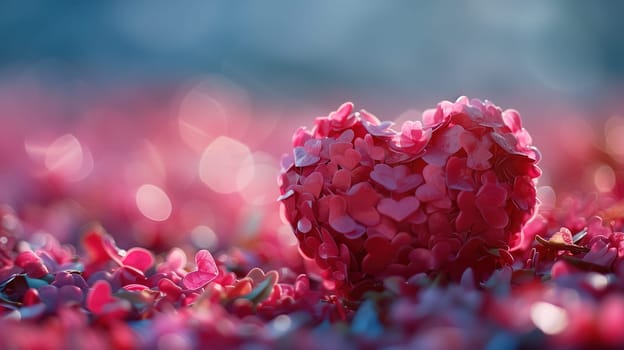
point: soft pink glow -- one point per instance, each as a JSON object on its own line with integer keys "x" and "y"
{"x": 153, "y": 202}
{"x": 226, "y": 165}
{"x": 65, "y": 157}
{"x": 201, "y": 118}
{"x": 604, "y": 178}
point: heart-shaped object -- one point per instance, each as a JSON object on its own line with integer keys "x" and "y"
{"x": 439, "y": 196}
{"x": 207, "y": 271}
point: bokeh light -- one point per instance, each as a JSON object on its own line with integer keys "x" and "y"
{"x": 226, "y": 165}
{"x": 549, "y": 318}
{"x": 153, "y": 202}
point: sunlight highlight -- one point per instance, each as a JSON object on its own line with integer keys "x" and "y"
{"x": 551, "y": 319}
{"x": 226, "y": 165}
{"x": 153, "y": 202}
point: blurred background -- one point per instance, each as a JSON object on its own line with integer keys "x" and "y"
{"x": 405, "y": 51}
{"x": 165, "y": 123}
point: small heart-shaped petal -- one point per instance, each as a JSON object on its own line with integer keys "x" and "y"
{"x": 205, "y": 262}
{"x": 313, "y": 184}
{"x": 262, "y": 284}
{"x": 339, "y": 220}
{"x": 512, "y": 120}
{"x": 380, "y": 254}
{"x": 362, "y": 200}
{"x": 494, "y": 216}
{"x": 382, "y": 129}
{"x": 491, "y": 195}
{"x": 398, "y": 210}
{"x": 342, "y": 180}
{"x": 459, "y": 175}
{"x": 139, "y": 258}
{"x": 207, "y": 271}
{"x": 343, "y": 154}
{"x": 384, "y": 175}
{"x": 478, "y": 150}
{"x": 342, "y": 112}
{"x": 397, "y": 179}
{"x": 175, "y": 262}
{"x": 308, "y": 154}
{"x": 101, "y": 247}
{"x": 99, "y": 295}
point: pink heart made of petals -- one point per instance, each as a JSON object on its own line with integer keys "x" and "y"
{"x": 462, "y": 176}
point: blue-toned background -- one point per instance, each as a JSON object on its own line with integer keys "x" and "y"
{"x": 375, "y": 52}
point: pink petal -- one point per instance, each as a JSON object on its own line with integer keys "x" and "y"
{"x": 398, "y": 210}
{"x": 300, "y": 136}
{"x": 468, "y": 211}
{"x": 524, "y": 193}
{"x": 508, "y": 142}
{"x": 346, "y": 136}
{"x": 342, "y": 112}
{"x": 435, "y": 176}
{"x": 327, "y": 239}
{"x": 342, "y": 180}
{"x": 308, "y": 154}
{"x": 478, "y": 150}
{"x": 338, "y": 218}
{"x": 327, "y": 250}
{"x": 303, "y": 158}
{"x": 313, "y": 184}
{"x": 512, "y": 120}
{"x": 491, "y": 195}
{"x": 494, "y": 216}
{"x": 435, "y": 156}
{"x": 395, "y": 179}
{"x": 101, "y": 247}
{"x": 380, "y": 254}
{"x": 375, "y": 152}
{"x": 448, "y": 141}
{"x": 99, "y": 295}
{"x": 413, "y": 138}
{"x": 383, "y": 129}
{"x": 361, "y": 204}
{"x": 134, "y": 287}
{"x": 172, "y": 290}
{"x": 206, "y": 271}
{"x": 139, "y": 258}
{"x": 343, "y": 154}
{"x": 384, "y": 175}
{"x": 369, "y": 117}
{"x": 459, "y": 175}
{"x": 176, "y": 260}
{"x": 31, "y": 263}
{"x": 428, "y": 193}
{"x": 434, "y": 187}
{"x": 422, "y": 259}
{"x": 356, "y": 233}
{"x": 433, "y": 118}
{"x": 404, "y": 180}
